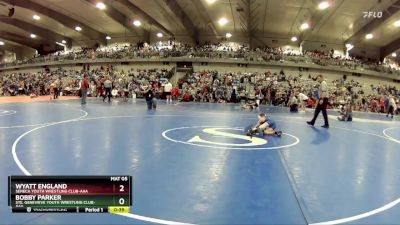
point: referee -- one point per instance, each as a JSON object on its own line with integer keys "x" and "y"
{"x": 107, "y": 86}
{"x": 322, "y": 102}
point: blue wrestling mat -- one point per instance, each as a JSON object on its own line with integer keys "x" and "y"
{"x": 192, "y": 162}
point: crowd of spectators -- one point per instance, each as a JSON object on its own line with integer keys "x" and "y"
{"x": 279, "y": 89}
{"x": 207, "y": 86}
{"x": 325, "y": 58}
{"x": 68, "y": 82}
{"x": 208, "y": 50}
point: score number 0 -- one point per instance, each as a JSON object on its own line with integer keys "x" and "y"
{"x": 121, "y": 189}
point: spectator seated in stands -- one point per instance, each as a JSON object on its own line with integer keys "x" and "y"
{"x": 346, "y": 112}
{"x": 293, "y": 104}
{"x": 311, "y": 102}
{"x": 398, "y": 107}
{"x": 186, "y": 97}
{"x": 250, "y": 105}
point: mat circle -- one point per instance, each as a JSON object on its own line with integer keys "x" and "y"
{"x": 165, "y": 135}
{"x": 4, "y": 112}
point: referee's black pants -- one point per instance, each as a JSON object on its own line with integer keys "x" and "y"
{"x": 107, "y": 94}
{"x": 318, "y": 109}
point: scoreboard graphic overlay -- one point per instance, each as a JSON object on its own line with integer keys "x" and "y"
{"x": 70, "y": 194}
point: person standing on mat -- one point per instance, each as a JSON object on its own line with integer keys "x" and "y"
{"x": 149, "y": 96}
{"x": 392, "y": 106}
{"x": 107, "y": 86}
{"x": 84, "y": 89}
{"x": 322, "y": 102}
{"x": 167, "y": 91}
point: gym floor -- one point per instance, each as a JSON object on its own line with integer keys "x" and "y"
{"x": 192, "y": 164}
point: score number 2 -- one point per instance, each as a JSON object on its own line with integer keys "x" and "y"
{"x": 121, "y": 201}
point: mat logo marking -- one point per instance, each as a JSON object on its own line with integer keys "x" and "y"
{"x": 219, "y": 137}
{"x": 215, "y": 131}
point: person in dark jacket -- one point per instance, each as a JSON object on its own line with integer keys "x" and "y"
{"x": 234, "y": 96}
{"x": 149, "y": 96}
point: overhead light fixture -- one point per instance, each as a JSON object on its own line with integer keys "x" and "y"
{"x": 36, "y": 17}
{"x": 33, "y": 35}
{"x": 369, "y": 36}
{"x": 397, "y": 23}
{"x": 78, "y": 28}
{"x": 323, "y": 5}
{"x": 63, "y": 41}
{"x": 108, "y": 37}
{"x": 304, "y": 26}
{"x": 394, "y": 54}
{"x": 211, "y": 1}
{"x": 228, "y": 35}
{"x": 137, "y": 23}
{"x": 349, "y": 46}
{"x": 160, "y": 35}
{"x": 1, "y": 43}
{"x": 222, "y": 21}
{"x": 100, "y": 5}
{"x": 294, "y": 39}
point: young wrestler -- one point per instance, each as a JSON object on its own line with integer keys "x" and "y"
{"x": 264, "y": 126}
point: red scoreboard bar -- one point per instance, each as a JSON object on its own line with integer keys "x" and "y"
{"x": 62, "y": 194}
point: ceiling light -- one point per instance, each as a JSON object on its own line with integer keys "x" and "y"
{"x": 228, "y": 35}
{"x": 304, "y": 26}
{"x": 137, "y": 23}
{"x": 222, "y": 21}
{"x": 394, "y": 54}
{"x": 108, "y": 37}
{"x": 100, "y": 5}
{"x": 33, "y": 35}
{"x": 323, "y": 5}
{"x": 369, "y": 36}
{"x": 159, "y": 35}
{"x": 211, "y": 1}
{"x": 294, "y": 39}
{"x": 397, "y": 23}
{"x": 63, "y": 41}
{"x": 1, "y": 43}
{"x": 78, "y": 28}
{"x": 36, "y": 17}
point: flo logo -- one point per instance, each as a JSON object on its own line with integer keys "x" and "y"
{"x": 373, "y": 14}
{"x": 224, "y": 138}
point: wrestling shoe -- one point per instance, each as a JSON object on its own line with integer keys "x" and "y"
{"x": 249, "y": 134}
